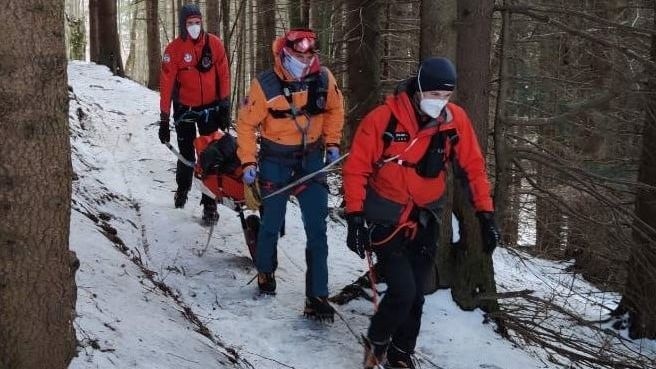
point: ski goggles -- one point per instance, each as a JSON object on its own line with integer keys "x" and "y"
{"x": 301, "y": 41}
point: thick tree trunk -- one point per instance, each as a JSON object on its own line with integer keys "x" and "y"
{"x": 438, "y": 38}
{"x": 437, "y": 34}
{"x": 105, "y": 45}
{"x": 363, "y": 53}
{"x": 154, "y": 46}
{"x": 474, "y": 269}
{"x": 212, "y": 19}
{"x": 37, "y": 271}
{"x": 266, "y": 33}
{"x": 639, "y": 296}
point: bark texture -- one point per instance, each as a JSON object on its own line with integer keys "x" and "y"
{"x": 37, "y": 284}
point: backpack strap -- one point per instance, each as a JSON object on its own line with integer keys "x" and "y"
{"x": 388, "y": 137}
{"x": 270, "y": 84}
{"x": 317, "y": 87}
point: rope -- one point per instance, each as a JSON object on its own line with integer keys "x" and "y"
{"x": 372, "y": 280}
{"x": 411, "y": 232}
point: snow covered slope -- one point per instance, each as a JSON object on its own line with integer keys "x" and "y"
{"x": 148, "y": 298}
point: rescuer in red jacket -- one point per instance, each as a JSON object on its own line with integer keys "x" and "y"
{"x": 394, "y": 182}
{"x": 195, "y": 76}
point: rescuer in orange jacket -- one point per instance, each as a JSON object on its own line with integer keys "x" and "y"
{"x": 298, "y": 111}
{"x": 195, "y": 76}
{"x": 394, "y": 181}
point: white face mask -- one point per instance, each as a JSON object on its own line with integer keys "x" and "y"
{"x": 295, "y": 67}
{"x": 432, "y": 107}
{"x": 194, "y": 31}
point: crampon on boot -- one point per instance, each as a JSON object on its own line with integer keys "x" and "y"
{"x": 399, "y": 359}
{"x": 210, "y": 215}
{"x": 180, "y": 198}
{"x": 319, "y": 308}
{"x": 374, "y": 353}
{"x": 267, "y": 283}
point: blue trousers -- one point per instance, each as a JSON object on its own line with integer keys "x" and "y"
{"x": 313, "y": 199}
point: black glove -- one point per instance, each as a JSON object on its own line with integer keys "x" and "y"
{"x": 224, "y": 118}
{"x": 164, "y": 130}
{"x": 489, "y": 230}
{"x": 357, "y": 238}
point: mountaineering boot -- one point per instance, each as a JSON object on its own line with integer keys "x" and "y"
{"x": 267, "y": 283}
{"x": 319, "y": 308}
{"x": 180, "y": 198}
{"x": 399, "y": 359}
{"x": 374, "y": 353}
{"x": 210, "y": 215}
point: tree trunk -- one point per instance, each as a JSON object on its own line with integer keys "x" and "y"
{"x": 266, "y": 33}
{"x": 37, "y": 271}
{"x": 299, "y": 13}
{"x": 320, "y": 12}
{"x": 305, "y": 13}
{"x": 440, "y": 17}
{"x": 254, "y": 41}
{"x": 75, "y": 32}
{"x": 132, "y": 55}
{"x": 364, "y": 49}
{"x": 504, "y": 191}
{"x": 639, "y": 293}
{"x": 154, "y": 46}
{"x": 548, "y": 217}
{"x": 174, "y": 19}
{"x": 105, "y": 45}
{"x": 225, "y": 22}
{"x": 212, "y": 22}
{"x": 474, "y": 268}
{"x": 437, "y": 35}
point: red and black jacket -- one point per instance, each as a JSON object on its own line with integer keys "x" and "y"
{"x": 193, "y": 87}
{"x": 387, "y": 192}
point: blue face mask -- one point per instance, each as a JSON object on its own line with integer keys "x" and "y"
{"x": 295, "y": 67}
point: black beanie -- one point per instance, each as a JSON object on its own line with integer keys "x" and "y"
{"x": 436, "y": 74}
{"x": 187, "y": 11}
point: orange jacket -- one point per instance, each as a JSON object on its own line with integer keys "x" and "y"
{"x": 194, "y": 88}
{"x": 400, "y": 185}
{"x": 254, "y": 115}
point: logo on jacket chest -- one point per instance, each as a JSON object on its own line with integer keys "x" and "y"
{"x": 401, "y": 137}
{"x": 188, "y": 58}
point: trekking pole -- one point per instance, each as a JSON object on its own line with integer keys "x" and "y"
{"x": 306, "y": 177}
{"x": 184, "y": 160}
{"x": 203, "y": 189}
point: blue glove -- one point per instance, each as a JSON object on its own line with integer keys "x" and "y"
{"x": 250, "y": 173}
{"x": 332, "y": 154}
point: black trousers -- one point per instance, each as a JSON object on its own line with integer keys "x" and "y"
{"x": 405, "y": 263}
{"x": 185, "y": 130}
